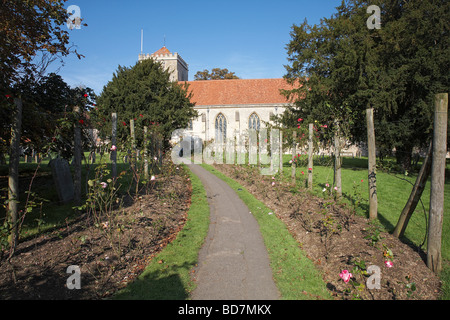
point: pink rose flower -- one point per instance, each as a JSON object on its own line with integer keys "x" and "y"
{"x": 345, "y": 275}
{"x": 104, "y": 185}
{"x": 388, "y": 263}
{"x": 113, "y": 148}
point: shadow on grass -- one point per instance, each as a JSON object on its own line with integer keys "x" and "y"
{"x": 164, "y": 283}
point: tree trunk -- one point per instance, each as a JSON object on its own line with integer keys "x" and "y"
{"x": 403, "y": 155}
{"x": 13, "y": 181}
{"x": 414, "y": 198}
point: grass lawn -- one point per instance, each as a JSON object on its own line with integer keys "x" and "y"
{"x": 393, "y": 190}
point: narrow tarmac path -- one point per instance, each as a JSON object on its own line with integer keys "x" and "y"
{"x": 233, "y": 262}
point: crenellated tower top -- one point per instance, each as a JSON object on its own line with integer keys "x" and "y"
{"x": 178, "y": 68}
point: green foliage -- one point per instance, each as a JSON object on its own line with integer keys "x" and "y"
{"x": 145, "y": 94}
{"x": 341, "y": 67}
{"x": 215, "y": 74}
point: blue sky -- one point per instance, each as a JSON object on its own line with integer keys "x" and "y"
{"x": 248, "y": 37}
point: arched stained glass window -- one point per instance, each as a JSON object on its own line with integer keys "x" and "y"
{"x": 221, "y": 128}
{"x": 254, "y": 122}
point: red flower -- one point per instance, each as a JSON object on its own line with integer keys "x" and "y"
{"x": 299, "y": 119}
{"x": 86, "y": 95}
{"x": 141, "y": 116}
{"x": 8, "y": 96}
{"x": 124, "y": 123}
{"x": 81, "y": 121}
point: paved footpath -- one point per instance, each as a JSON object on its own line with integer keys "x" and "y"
{"x": 233, "y": 262}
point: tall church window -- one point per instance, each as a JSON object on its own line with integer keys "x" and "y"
{"x": 254, "y": 122}
{"x": 221, "y": 128}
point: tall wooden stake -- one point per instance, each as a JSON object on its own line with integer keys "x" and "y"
{"x": 113, "y": 142}
{"x": 372, "y": 176}
{"x": 145, "y": 152}
{"x": 294, "y": 153}
{"x": 337, "y": 161}
{"x": 281, "y": 153}
{"x": 310, "y": 156}
{"x": 13, "y": 179}
{"x": 415, "y": 195}
{"x": 77, "y": 161}
{"x": 436, "y": 215}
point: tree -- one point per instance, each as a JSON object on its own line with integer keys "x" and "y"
{"x": 343, "y": 67}
{"x": 32, "y": 34}
{"x": 144, "y": 93}
{"x": 216, "y": 74}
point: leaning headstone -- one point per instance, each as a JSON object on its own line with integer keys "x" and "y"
{"x": 63, "y": 179}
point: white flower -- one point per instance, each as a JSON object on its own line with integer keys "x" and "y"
{"x": 153, "y": 178}
{"x": 324, "y": 189}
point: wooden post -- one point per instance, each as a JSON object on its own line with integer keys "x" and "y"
{"x": 372, "y": 175}
{"x": 133, "y": 144}
{"x": 436, "y": 215}
{"x": 415, "y": 195}
{"x": 113, "y": 142}
{"x": 13, "y": 179}
{"x": 310, "y": 156}
{"x": 77, "y": 161}
{"x": 337, "y": 161}
{"x": 294, "y": 151}
{"x": 281, "y": 153}
{"x": 145, "y": 152}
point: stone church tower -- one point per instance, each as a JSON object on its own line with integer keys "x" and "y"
{"x": 173, "y": 62}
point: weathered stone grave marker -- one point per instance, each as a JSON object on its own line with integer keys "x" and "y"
{"x": 63, "y": 179}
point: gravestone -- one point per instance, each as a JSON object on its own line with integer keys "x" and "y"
{"x": 63, "y": 179}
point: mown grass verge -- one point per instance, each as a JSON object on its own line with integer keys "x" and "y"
{"x": 167, "y": 277}
{"x": 295, "y": 275}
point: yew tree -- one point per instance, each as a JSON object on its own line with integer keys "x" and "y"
{"x": 144, "y": 93}
{"x": 342, "y": 67}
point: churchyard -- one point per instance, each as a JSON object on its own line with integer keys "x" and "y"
{"x": 333, "y": 234}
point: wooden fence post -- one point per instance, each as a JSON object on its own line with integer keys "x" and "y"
{"x": 310, "y": 156}
{"x": 13, "y": 179}
{"x": 145, "y": 152}
{"x": 436, "y": 215}
{"x": 372, "y": 175}
{"x": 415, "y": 195}
{"x": 77, "y": 161}
{"x": 337, "y": 161}
{"x": 294, "y": 153}
{"x": 133, "y": 144}
{"x": 281, "y": 153}
{"x": 113, "y": 142}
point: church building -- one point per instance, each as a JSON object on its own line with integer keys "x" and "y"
{"x": 226, "y": 108}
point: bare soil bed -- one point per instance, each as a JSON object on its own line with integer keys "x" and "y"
{"x": 38, "y": 269}
{"x": 335, "y": 240}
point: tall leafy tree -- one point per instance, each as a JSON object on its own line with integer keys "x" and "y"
{"x": 31, "y": 33}
{"x": 144, "y": 93}
{"x": 215, "y": 74}
{"x": 343, "y": 66}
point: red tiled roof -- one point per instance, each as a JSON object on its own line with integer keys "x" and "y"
{"x": 163, "y": 50}
{"x": 237, "y": 91}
